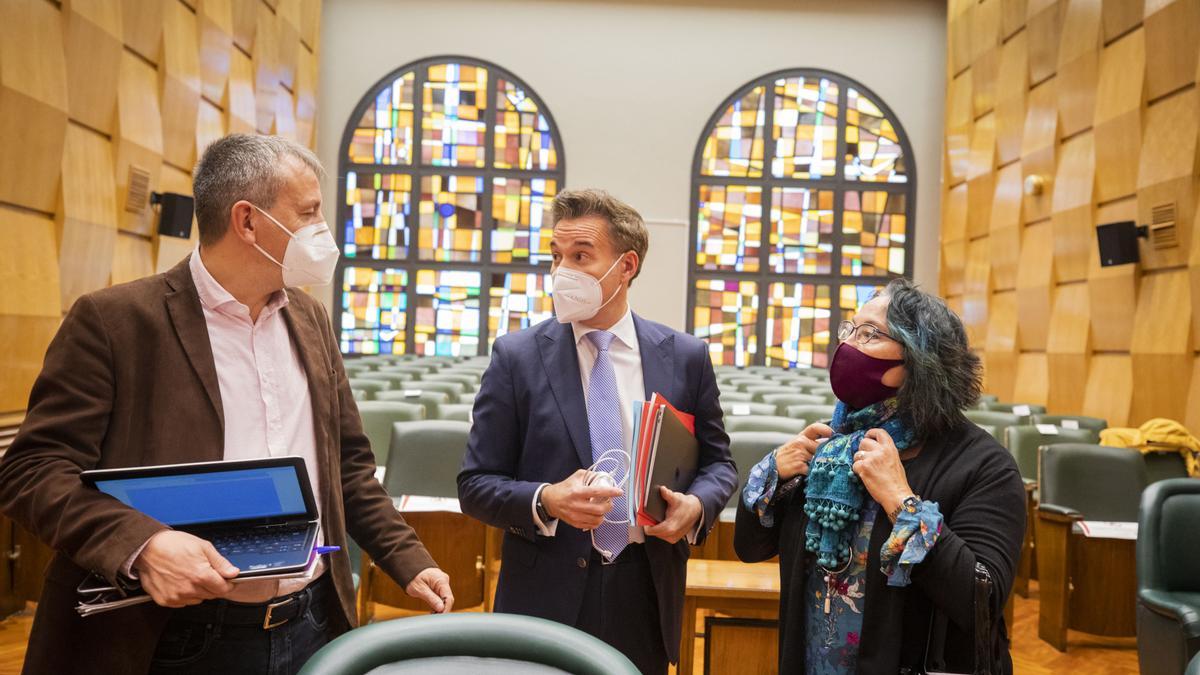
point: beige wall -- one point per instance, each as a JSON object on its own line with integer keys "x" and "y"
{"x": 631, "y": 85}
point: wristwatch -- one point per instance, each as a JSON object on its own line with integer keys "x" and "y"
{"x": 542, "y": 514}
{"x": 909, "y": 504}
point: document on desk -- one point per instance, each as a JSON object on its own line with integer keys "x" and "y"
{"x": 423, "y": 504}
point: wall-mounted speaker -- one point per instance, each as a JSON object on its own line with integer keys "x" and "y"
{"x": 174, "y": 214}
{"x": 1119, "y": 242}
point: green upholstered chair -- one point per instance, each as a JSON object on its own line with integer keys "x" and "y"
{"x": 736, "y": 397}
{"x": 497, "y": 644}
{"x": 467, "y": 381}
{"x": 744, "y": 382}
{"x": 1194, "y": 666}
{"x": 1023, "y": 442}
{"x": 747, "y": 449}
{"x": 460, "y": 412}
{"x": 1164, "y": 466}
{"x": 1092, "y": 482}
{"x": 735, "y": 408}
{"x": 761, "y": 390}
{"x": 425, "y": 457}
{"x": 1067, "y": 421}
{"x": 378, "y": 418}
{"x": 988, "y": 398}
{"x": 1014, "y": 407}
{"x": 369, "y": 386}
{"x": 432, "y": 400}
{"x": 996, "y": 432}
{"x": 999, "y": 421}
{"x": 1168, "y": 555}
{"x": 452, "y": 390}
{"x": 782, "y": 401}
{"x": 810, "y": 412}
{"x": 787, "y": 425}
{"x": 395, "y": 380}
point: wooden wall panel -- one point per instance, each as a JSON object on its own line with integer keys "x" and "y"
{"x": 1039, "y": 149}
{"x": 33, "y": 103}
{"x": 214, "y": 20}
{"x": 959, "y": 34}
{"x": 1035, "y": 285}
{"x": 245, "y": 23}
{"x": 1120, "y": 17}
{"x": 1012, "y": 16}
{"x": 210, "y": 125}
{"x": 310, "y": 23}
{"x": 179, "y": 81}
{"x": 1006, "y": 227}
{"x": 283, "y": 122}
{"x": 133, "y": 258}
{"x": 143, "y": 25}
{"x": 1120, "y": 97}
{"x": 1078, "y": 65}
{"x": 1068, "y": 348}
{"x": 1192, "y": 417}
{"x": 306, "y": 99}
{"x": 1172, "y": 44}
{"x": 1000, "y": 349}
{"x": 1012, "y": 83}
{"x": 1162, "y": 346}
{"x": 1033, "y": 379}
{"x": 30, "y": 304}
{"x": 1112, "y": 290}
{"x": 86, "y": 214}
{"x": 139, "y": 143}
{"x": 23, "y": 342}
{"x": 1167, "y": 176}
{"x": 1074, "y": 216}
{"x": 981, "y": 176}
{"x": 958, "y": 128}
{"x": 1043, "y": 21}
{"x": 1109, "y": 391}
{"x": 240, "y": 106}
{"x": 93, "y": 46}
{"x": 287, "y": 32}
{"x": 977, "y": 289}
{"x": 266, "y": 68}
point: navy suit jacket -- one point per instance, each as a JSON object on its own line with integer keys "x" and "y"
{"x": 531, "y": 427}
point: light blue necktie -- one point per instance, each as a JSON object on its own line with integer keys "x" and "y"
{"x": 604, "y": 425}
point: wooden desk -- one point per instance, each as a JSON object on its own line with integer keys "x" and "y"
{"x": 724, "y": 586}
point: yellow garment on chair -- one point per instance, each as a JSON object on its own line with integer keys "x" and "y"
{"x": 1157, "y": 435}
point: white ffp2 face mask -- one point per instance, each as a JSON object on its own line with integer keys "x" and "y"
{"x": 577, "y": 295}
{"x": 310, "y": 257}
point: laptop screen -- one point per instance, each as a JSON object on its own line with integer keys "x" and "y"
{"x": 209, "y": 497}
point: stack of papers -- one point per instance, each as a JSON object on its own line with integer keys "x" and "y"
{"x": 665, "y": 452}
{"x": 1106, "y": 529}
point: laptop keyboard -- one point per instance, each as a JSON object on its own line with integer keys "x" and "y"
{"x": 260, "y": 541}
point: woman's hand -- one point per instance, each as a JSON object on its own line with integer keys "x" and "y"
{"x": 877, "y": 463}
{"x": 792, "y": 458}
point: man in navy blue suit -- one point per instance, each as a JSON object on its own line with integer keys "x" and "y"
{"x": 558, "y": 396}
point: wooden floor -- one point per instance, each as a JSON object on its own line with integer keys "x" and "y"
{"x": 1031, "y": 656}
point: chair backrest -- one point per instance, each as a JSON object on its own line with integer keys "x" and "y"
{"x": 742, "y": 383}
{"x": 988, "y": 398}
{"x": 1023, "y": 442}
{"x": 995, "y": 431}
{"x": 810, "y": 412}
{"x": 370, "y": 386}
{"x": 467, "y": 381}
{"x": 1167, "y": 545}
{"x": 1066, "y": 421}
{"x": 477, "y": 642}
{"x": 1100, "y": 482}
{"x": 736, "y": 396}
{"x": 998, "y": 420}
{"x": 456, "y": 411}
{"x": 734, "y": 408}
{"x": 759, "y": 391}
{"x": 452, "y": 390}
{"x": 378, "y": 418}
{"x": 425, "y": 458}
{"x": 1164, "y": 466}
{"x": 1014, "y": 407}
{"x": 747, "y": 449}
{"x": 432, "y": 400}
{"x": 360, "y": 395}
{"x": 782, "y": 401}
{"x": 788, "y": 425}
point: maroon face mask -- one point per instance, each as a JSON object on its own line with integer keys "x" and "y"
{"x": 857, "y": 378}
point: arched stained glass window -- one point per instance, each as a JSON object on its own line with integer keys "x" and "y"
{"x": 447, "y": 172}
{"x": 803, "y": 197}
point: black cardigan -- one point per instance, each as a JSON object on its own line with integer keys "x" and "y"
{"x": 980, "y": 494}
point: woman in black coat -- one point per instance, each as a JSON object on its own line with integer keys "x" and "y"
{"x": 880, "y": 518}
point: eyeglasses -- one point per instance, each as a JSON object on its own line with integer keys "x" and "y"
{"x": 863, "y": 333}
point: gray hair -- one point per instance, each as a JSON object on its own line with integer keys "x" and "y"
{"x": 625, "y": 225}
{"x": 237, "y": 167}
{"x": 944, "y": 375}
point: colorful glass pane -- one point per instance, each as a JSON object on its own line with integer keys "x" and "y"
{"x": 451, "y": 218}
{"x": 874, "y": 229}
{"x": 873, "y": 151}
{"x": 801, "y": 231}
{"x": 725, "y": 315}
{"x": 805, "y": 128}
{"x": 520, "y": 207}
{"x": 447, "y": 313}
{"x": 798, "y": 325}
{"x": 384, "y": 134}
{"x": 729, "y": 235}
{"x": 735, "y": 145}
{"x": 854, "y": 296}
{"x": 523, "y": 139}
{"x": 374, "y": 303}
{"x": 453, "y": 102}
{"x": 519, "y": 300}
{"x": 378, "y": 215}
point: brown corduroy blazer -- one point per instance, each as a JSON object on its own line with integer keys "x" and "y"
{"x": 130, "y": 380}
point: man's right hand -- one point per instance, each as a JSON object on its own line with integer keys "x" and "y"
{"x": 580, "y": 505}
{"x": 178, "y": 569}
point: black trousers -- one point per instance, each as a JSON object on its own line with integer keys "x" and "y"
{"x": 218, "y": 636}
{"x": 621, "y": 608}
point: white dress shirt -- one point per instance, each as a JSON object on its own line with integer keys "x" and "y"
{"x": 626, "y": 358}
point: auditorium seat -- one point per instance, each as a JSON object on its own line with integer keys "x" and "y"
{"x": 760, "y": 390}
{"x": 432, "y": 400}
{"x": 810, "y": 412}
{"x": 733, "y": 408}
{"x": 468, "y": 644}
{"x": 782, "y": 401}
{"x": 1168, "y": 551}
{"x": 764, "y": 423}
{"x": 452, "y": 390}
{"x": 1009, "y": 407}
{"x": 460, "y": 412}
{"x": 378, "y": 418}
{"x": 737, "y": 396}
{"x": 747, "y": 448}
{"x": 998, "y": 420}
{"x": 369, "y": 387}
{"x": 1082, "y": 421}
